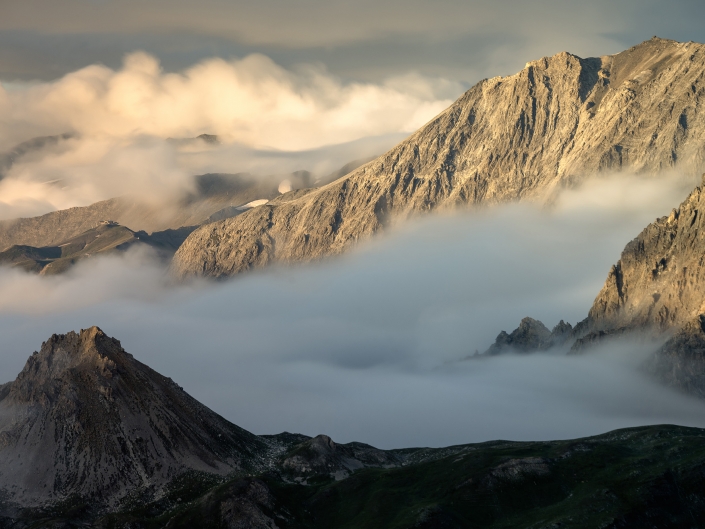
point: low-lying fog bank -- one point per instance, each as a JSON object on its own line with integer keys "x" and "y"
{"x": 366, "y": 347}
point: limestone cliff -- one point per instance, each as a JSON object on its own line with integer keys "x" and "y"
{"x": 559, "y": 119}
{"x": 659, "y": 281}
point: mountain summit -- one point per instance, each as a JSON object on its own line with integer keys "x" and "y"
{"x": 558, "y": 120}
{"x": 89, "y": 437}
{"x": 85, "y": 418}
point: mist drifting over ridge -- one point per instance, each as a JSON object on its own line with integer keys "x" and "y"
{"x": 348, "y": 346}
{"x": 366, "y": 347}
{"x": 118, "y": 122}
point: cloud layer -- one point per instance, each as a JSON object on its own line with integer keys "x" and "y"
{"x": 463, "y": 40}
{"x": 252, "y": 101}
{"x": 366, "y": 347}
{"x": 269, "y": 120}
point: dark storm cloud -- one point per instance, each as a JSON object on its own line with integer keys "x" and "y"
{"x": 460, "y": 40}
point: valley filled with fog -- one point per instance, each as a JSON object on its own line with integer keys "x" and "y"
{"x": 370, "y": 346}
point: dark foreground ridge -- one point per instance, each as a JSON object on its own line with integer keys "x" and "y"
{"x": 91, "y": 437}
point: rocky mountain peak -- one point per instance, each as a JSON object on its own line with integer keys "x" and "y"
{"x": 90, "y": 351}
{"x": 322, "y": 444}
{"x": 321, "y": 455}
{"x": 521, "y": 137}
{"x": 531, "y": 335}
{"x": 656, "y": 282}
{"x": 85, "y": 418}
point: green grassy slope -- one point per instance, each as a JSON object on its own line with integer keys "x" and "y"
{"x": 639, "y": 477}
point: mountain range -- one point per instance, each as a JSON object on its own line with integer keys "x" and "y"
{"x": 107, "y": 237}
{"x": 89, "y": 436}
{"x": 559, "y": 120}
{"x": 215, "y": 196}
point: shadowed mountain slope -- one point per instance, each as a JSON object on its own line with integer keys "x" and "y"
{"x": 559, "y": 119}
{"x": 90, "y": 437}
{"x": 104, "y": 238}
{"x": 85, "y": 419}
{"x": 637, "y": 477}
{"x": 215, "y": 196}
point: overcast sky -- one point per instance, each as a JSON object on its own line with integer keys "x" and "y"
{"x": 462, "y": 40}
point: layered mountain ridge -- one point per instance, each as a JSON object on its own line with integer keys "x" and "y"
{"x": 107, "y": 237}
{"x": 90, "y": 437}
{"x": 215, "y": 196}
{"x": 557, "y": 121}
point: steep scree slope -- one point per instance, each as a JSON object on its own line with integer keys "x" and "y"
{"x": 85, "y": 418}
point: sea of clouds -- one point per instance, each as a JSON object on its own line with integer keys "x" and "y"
{"x": 268, "y": 119}
{"x": 370, "y": 346}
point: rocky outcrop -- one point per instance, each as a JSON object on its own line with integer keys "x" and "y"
{"x": 559, "y": 119}
{"x": 322, "y": 456}
{"x": 530, "y": 336}
{"x": 85, "y": 419}
{"x": 680, "y": 362}
{"x": 587, "y": 342}
{"x": 659, "y": 281}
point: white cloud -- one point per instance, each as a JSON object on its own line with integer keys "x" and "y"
{"x": 358, "y": 347}
{"x": 252, "y": 101}
{"x": 81, "y": 171}
{"x": 269, "y": 120}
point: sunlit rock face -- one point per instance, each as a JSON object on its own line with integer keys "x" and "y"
{"x": 85, "y": 418}
{"x": 656, "y": 292}
{"x": 520, "y": 137}
{"x": 658, "y": 281}
{"x": 657, "y": 289}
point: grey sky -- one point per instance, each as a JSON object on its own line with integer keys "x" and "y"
{"x": 363, "y": 40}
